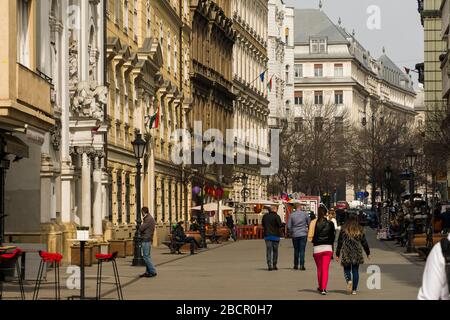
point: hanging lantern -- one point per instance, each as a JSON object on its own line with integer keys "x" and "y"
{"x": 196, "y": 190}
{"x": 258, "y": 208}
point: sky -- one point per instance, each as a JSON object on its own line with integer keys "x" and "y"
{"x": 399, "y": 29}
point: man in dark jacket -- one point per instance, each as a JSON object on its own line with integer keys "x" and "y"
{"x": 180, "y": 236}
{"x": 147, "y": 230}
{"x": 272, "y": 225}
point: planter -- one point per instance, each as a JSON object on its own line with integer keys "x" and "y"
{"x": 119, "y": 246}
{"x": 195, "y": 234}
{"x": 75, "y": 255}
{"x": 129, "y": 247}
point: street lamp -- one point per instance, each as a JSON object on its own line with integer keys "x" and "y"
{"x": 245, "y": 192}
{"x": 411, "y": 158}
{"x": 388, "y": 176}
{"x": 139, "y": 149}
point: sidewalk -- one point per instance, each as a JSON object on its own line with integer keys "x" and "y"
{"x": 237, "y": 270}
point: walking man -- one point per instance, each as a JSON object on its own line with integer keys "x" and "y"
{"x": 272, "y": 225}
{"x": 147, "y": 230}
{"x": 298, "y": 225}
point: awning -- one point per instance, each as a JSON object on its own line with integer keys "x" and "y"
{"x": 15, "y": 146}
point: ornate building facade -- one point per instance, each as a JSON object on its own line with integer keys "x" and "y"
{"x": 211, "y": 78}
{"x": 251, "y": 107}
{"x": 280, "y": 47}
{"x": 59, "y": 54}
{"x": 148, "y": 65}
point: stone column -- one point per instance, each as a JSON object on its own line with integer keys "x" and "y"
{"x": 98, "y": 217}
{"x": 46, "y": 189}
{"x": 85, "y": 190}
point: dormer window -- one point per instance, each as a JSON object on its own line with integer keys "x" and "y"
{"x": 318, "y": 45}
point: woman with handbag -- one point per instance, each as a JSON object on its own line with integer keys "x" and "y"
{"x": 322, "y": 235}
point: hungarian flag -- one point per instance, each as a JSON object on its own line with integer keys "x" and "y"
{"x": 154, "y": 120}
{"x": 407, "y": 70}
{"x": 269, "y": 84}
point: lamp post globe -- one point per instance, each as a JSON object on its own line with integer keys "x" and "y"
{"x": 139, "y": 146}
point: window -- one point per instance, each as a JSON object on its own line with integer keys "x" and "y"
{"x": 339, "y": 97}
{"x": 127, "y": 198}
{"x": 175, "y": 56}
{"x": 318, "y": 70}
{"x": 149, "y": 24}
{"x": 125, "y": 15}
{"x": 338, "y": 70}
{"x": 298, "y": 70}
{"x": 117, "y": 11}
{"x": 119, "y": 197}
{"x": 135, "y": 20}
{"x": 318, "y": 124}
{"x": 298, "y": 123}
{"x": 318, "y": 97}
{"x": 318, "y": 46}
{"x": 339, "y": 125}
{"x": 169, "y": 50}
{"x": 286, "y": 35}
{"x": 298, "y": 98}
{"x": 23, "y": 37}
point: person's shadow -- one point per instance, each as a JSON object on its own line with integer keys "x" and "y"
{"x": 343, "y": 292}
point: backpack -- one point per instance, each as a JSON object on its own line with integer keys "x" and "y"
{"x": 445, "y": 246}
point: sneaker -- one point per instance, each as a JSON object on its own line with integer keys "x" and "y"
{"x": 295, "y": 267}
{"x": 270, "y": 269}
{"x": 302, "y": 268}
{"x": 144, "y": 275}
{"x": 349, "y": 287}
{"x": 323, "y": 292}
{"x": 354, "y": 292}
{"x": 275, "y": 268}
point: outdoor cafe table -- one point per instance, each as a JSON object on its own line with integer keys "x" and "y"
{"x": 82, "y": 276}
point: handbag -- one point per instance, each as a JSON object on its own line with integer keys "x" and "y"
{"x": 312, "y": 229}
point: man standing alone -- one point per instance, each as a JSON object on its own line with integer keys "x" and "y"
{"x": 272, "y": 232}
{"x": 298, "y": 225}
{"x": 147, "y": 230}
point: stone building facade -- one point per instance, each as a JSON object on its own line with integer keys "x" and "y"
{"x": 213, "y": 38}
{"x": 251, "y": 107}
{"x": 280, "y": 48}
{"x": 149, "y": 63}
{"x": 333, "y": 68}
{"x": 57, "y": 48}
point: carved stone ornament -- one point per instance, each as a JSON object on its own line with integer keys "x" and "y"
{"x": 55, "y": 136}
{"x": 89, "y": 100}
{"x": 73, "y": 64}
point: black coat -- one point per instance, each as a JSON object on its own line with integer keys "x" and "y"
{"x": 324, "y": 233}
{"x": 271, "y": 223}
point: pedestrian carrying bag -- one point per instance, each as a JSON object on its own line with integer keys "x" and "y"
{"x": 445, "y": 246}
{"x": 312, "y": 229}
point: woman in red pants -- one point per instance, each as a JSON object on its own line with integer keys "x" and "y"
{"x": 323, "y": 240}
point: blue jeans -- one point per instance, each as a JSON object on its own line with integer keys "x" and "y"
{"x": 348, "y": 271}
{"x": 299, "y": 250}
{"x": 146, "y": 253}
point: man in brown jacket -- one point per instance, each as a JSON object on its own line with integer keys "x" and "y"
{"x": 147, "y": 230}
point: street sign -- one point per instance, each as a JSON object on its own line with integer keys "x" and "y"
{"x": 366, "y": 194}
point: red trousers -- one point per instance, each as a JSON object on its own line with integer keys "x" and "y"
{"x": 323, "y": 260}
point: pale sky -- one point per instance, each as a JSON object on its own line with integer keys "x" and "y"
{"x": 401, "y": 32}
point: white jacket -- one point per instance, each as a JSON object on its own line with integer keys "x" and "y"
{"x": 434, "y": 284}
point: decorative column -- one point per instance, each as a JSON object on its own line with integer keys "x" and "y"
{"x": 86, "y": 190}
{"x": 98, "y": 216}
{"x": 47, "y": 189}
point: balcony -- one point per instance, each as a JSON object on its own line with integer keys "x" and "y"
{"x": 33, "y": 90}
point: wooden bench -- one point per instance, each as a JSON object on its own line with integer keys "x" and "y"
{"x": 178, "y": 246}
{"x": 420, "y": 243}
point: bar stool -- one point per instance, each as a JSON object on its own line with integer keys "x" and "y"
{"x": 8, "y": 262}
{"x": 108, "y": 258}
{"x": 47, "y": 257}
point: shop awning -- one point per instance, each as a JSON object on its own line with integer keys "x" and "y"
{"x": 15, "y": 146}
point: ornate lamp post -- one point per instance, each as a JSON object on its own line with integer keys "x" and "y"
{"x": 245, "y": 192}
{"x": 139, "y": 149}
{"x": 411, "y": 158}
{"x": 388, "y": 176}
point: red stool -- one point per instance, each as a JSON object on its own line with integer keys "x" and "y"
{"x": 108, "y": 258}
{"x": 47, "y": 257}
{"x": 8, "y": 262}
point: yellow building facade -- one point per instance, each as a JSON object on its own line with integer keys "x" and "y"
{"x": 148, "y": 45}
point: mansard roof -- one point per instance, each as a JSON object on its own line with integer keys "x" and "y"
{"x": 315, "y": 23}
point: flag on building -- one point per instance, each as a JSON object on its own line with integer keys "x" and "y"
{"x": 154, "y": 120}
{"x": 407, "y": 70}
{"x": 269, "y": 84}
{"x": 262, "y": 76}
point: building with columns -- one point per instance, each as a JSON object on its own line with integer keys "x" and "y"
{"x": 333, "y": 68}
{"x": 280, "y": 48}
{"x": 148, "y": 52}
{"x": 251, "y": 107}
{"x": 57, "y": 49}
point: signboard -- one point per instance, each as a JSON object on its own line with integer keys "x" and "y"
{"x": 312, "y": 201}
